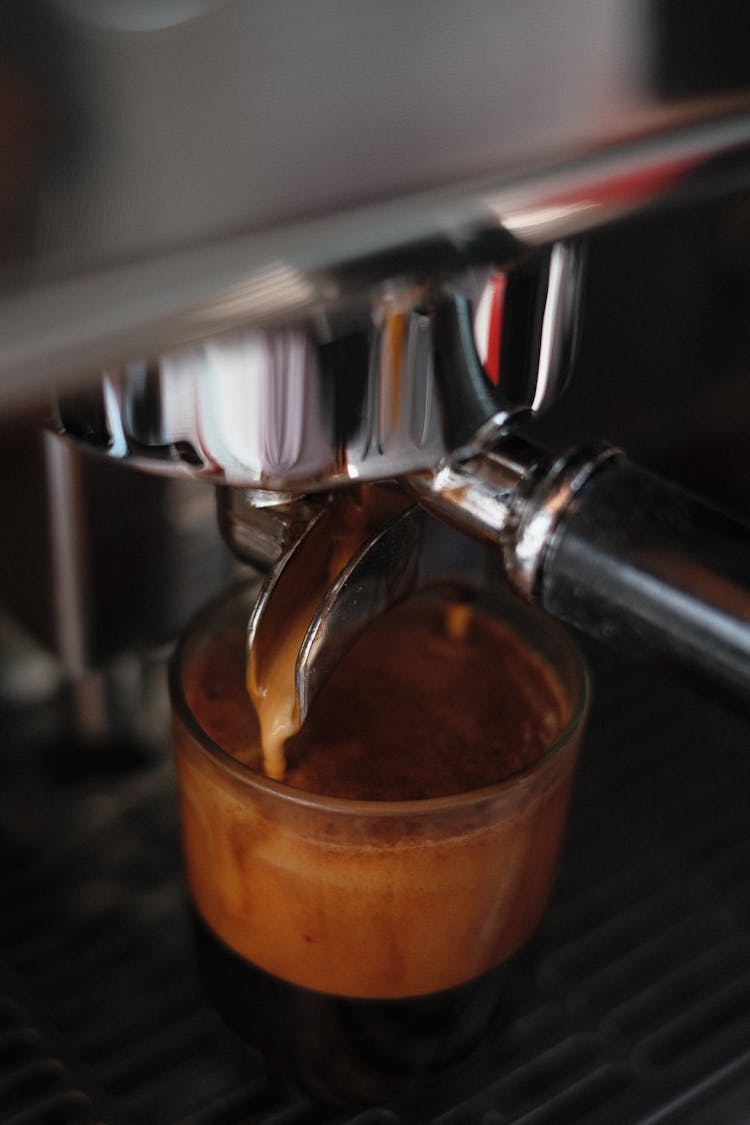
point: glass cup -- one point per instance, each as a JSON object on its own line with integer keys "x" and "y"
{"x": 364, "y": 946}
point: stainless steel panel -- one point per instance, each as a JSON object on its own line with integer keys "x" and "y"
{"x": 169, "y": 161}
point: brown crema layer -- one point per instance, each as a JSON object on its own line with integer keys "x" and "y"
{"x": 411, "y": 713}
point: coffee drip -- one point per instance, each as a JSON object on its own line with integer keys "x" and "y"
{"x": 353, "y": 517}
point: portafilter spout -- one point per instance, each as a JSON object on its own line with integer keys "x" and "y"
{"x": 328, "y": 606}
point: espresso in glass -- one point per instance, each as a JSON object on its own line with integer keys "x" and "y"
{"x": 356, "y": 920}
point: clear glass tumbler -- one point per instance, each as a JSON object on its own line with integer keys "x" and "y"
{"x": 364, "y": 946}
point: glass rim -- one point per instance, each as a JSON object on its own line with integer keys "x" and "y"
{"x": 321, "y": 802}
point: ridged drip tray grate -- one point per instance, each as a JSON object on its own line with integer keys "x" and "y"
{"x": 636, "y": 1003}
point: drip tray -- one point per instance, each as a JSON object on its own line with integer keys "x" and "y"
{"x": 636, "y": 1007}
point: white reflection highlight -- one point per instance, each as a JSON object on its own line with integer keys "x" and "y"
{"x": 276, "y": 288}
{"x": 547, "y": 221}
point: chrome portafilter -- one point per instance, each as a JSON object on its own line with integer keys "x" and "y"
{"x": 588, "y": 537}
{"x": 585, "y": 534}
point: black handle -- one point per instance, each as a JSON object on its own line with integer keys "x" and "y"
{"x": 642, "y": 565}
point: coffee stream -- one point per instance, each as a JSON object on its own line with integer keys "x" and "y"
{"x": 355, "y": 515}
{"x": 273, "y": 695}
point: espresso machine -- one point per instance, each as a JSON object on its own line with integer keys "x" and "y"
{"x": 254, "y": 254}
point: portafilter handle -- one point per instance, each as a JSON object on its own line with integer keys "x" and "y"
{"x": 610, "y": 548}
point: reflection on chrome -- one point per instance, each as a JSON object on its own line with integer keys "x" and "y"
{"x": 275, "y": 288}
{"x": 359, "y": 397}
